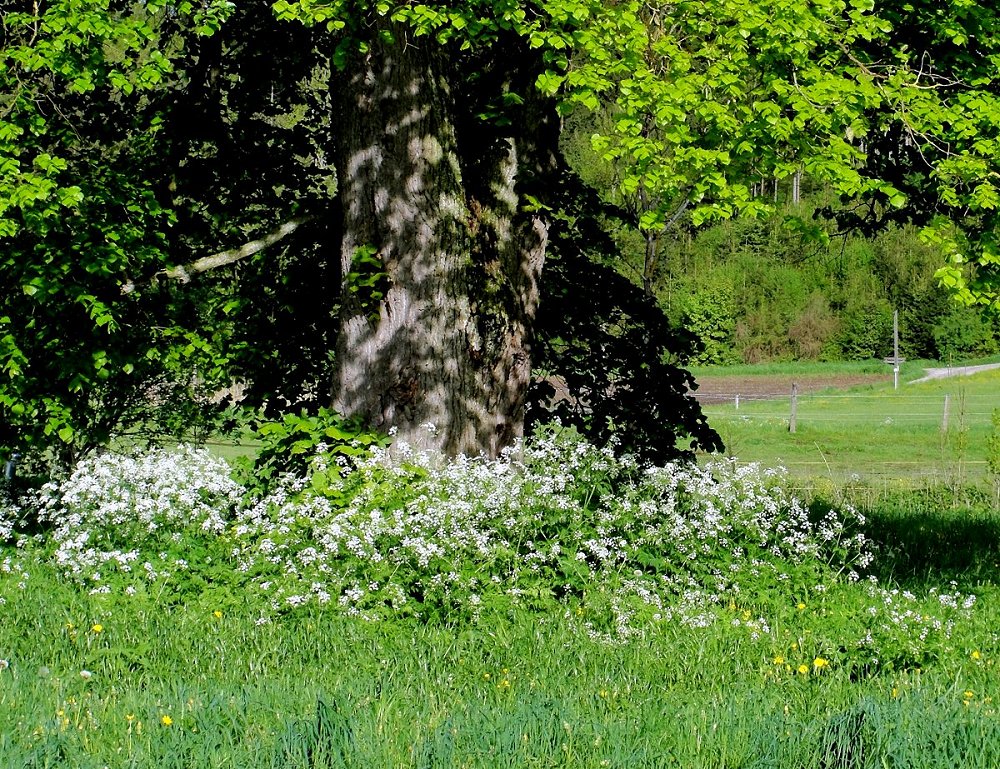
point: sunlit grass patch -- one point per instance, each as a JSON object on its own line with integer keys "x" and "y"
{"x": 560, "y": 607}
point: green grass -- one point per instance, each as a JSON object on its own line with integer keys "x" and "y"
{"x": 318, "y": 690}
{"x": 110, "y": 680}
{"x": 871, "y": 432}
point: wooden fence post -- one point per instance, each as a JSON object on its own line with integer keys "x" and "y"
{"x": 795, "y": 408}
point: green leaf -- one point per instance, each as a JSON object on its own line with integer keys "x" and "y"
{"x": 549, "y": 82}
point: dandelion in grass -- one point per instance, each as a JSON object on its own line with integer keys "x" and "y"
{"x": 821, "y": 664}
{"x": 97, "y": 628}
{"x": 166, "y": 721}
{"x": 804, "y": 669}
{"x": 976, "y": 655}
{"x": 86, "y": 675}
{"x": 217, "y": 614}
{"x": 801, "y": 606}
{"x": 779, "y": 660}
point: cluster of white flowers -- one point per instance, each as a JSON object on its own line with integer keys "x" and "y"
{"x": 404, "y": 532}
{"x": 115, "y": 509}
{"x": 8, "y": 515}
{"x": 903, "y": 625}
{"x": 554, "y": 516}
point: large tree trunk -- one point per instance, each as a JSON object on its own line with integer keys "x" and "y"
{"x": 441, "y": 267}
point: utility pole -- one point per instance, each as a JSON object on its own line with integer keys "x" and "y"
{"x": 895, "y": 349}
{"x": 895, "y": 360}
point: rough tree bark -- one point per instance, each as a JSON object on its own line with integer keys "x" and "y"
{"x": 441, "y": 262}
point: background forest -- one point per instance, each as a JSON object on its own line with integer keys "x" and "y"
{"x": 793, "y": 286}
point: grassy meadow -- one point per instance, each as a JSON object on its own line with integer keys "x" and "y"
{"x": 182, "y": 686}
{"x": 925, "y": 433}
{"x": 560, "y": 609}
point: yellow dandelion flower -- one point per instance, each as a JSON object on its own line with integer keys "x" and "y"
{"x": 779, "y": 660}
{"x": 97, "y": 628}
{"x": 486, "y": 676}
{"x": 895, "y": 692}
{"x": 800, "y": 606}
{"x": 968, "y": 694}
{"x": 504, "y": 684}
{"x": 819, "y": 663}
{"x": 217, "y": 614}
{"x": 130, "y": 717}
{"x": 803, "y": 669}
{"x": 166, "y": 720}
{"x": 976, "y": 655}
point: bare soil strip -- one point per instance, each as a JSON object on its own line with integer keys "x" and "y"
{"x": 724, "y": 389}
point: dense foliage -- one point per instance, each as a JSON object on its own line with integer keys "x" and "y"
{"x": 137, "y": 136}
{"x": 753, "y": 291}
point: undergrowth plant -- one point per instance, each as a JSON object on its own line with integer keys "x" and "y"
{"x": 560, "y": 606}
{"x": 554, "y": 525}
{"x": 289, "y": 446}
{"x": 130, "y": 522}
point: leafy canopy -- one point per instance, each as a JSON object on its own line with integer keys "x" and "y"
{"x": 77, "y": 215}
{"x": 710, "y": 97}
{"x": 893, "y": 106}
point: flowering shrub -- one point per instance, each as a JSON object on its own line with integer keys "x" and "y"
{"x": 127, "y": 520}
{"x": 554, "y": 524}
{"x": 904, "y": 633}
{"x": 551, "y": 520}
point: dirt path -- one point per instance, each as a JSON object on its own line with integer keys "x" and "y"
{"x": 943, "y": 373}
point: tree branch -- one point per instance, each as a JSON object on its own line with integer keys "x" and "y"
{"x": 184, "y": 272}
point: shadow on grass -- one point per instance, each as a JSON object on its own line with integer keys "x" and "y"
{"x": 930, "y": 538}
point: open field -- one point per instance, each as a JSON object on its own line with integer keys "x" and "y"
{"x": 571, "y": 610}
{"x": 566, "y": 609}
{"x": 854, "y": 426}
